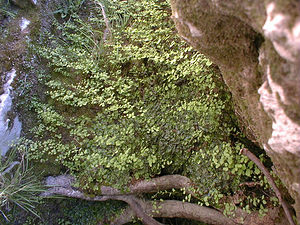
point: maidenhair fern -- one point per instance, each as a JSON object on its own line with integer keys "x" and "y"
{"x": 137, "y": 105}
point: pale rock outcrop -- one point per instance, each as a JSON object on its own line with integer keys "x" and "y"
{"x": 256, "y": 45}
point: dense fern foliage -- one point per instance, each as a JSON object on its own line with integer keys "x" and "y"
{"x": 131, "y": 101}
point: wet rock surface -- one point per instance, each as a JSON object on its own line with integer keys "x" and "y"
{"x": 10, "y": 128}
{"x": 256, "y": 44}
{"x": 14, "y": 33}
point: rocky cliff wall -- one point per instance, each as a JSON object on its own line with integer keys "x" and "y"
{"x": 256, "y": 44}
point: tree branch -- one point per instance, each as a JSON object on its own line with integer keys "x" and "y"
{"x": 177, "y": 209}
{"x": 125, "y": 217}
{"x": 137, "y": 206}
{"x": 154, "y": 185}
{"x": 131, "y": 200}
{"x": 258, "y": 163}
{"x": 166, "y": 182}
{"x": 62, "y": 185}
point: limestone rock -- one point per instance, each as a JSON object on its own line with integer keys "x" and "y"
{"x": 61, "y": 181}
{"x": 256, "y": 44}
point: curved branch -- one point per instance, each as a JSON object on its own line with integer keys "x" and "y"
{"x": 71, "y": 193}
{"x": 131, "y": 200}
{"x": 144, "y": 186}
{"x": 125, "y": 217}
{"x": 62, "y": 185}
{"x": 154, "y": 185}
{"x": 177, "y": 209}
{"x": 258, "y": 163}
{"x": 137, "y": 206}
{"x": 142, "y": 210}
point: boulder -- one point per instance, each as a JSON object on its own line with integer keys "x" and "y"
{"x": 256, "y": 45}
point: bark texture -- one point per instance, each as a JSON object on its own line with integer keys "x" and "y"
{"x": 256, "y": 45}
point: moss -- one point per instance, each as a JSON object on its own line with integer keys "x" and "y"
{"x": 49, "y": 168}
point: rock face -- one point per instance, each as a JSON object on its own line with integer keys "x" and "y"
{"x": 256, "y": 44}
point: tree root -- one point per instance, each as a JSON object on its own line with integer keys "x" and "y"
{"x": 166, "y": 182}
{"x": 144, "y": 210}
{"x": 176, "y": 209}
{"x": 258, "y": 163}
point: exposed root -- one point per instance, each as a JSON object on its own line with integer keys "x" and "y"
{"x": 258, "y": 163}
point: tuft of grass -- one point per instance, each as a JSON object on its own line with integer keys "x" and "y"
{"x": 68, "y": 7}
{"x": 4, "y": 9}
{"x": 18, "y": 186}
